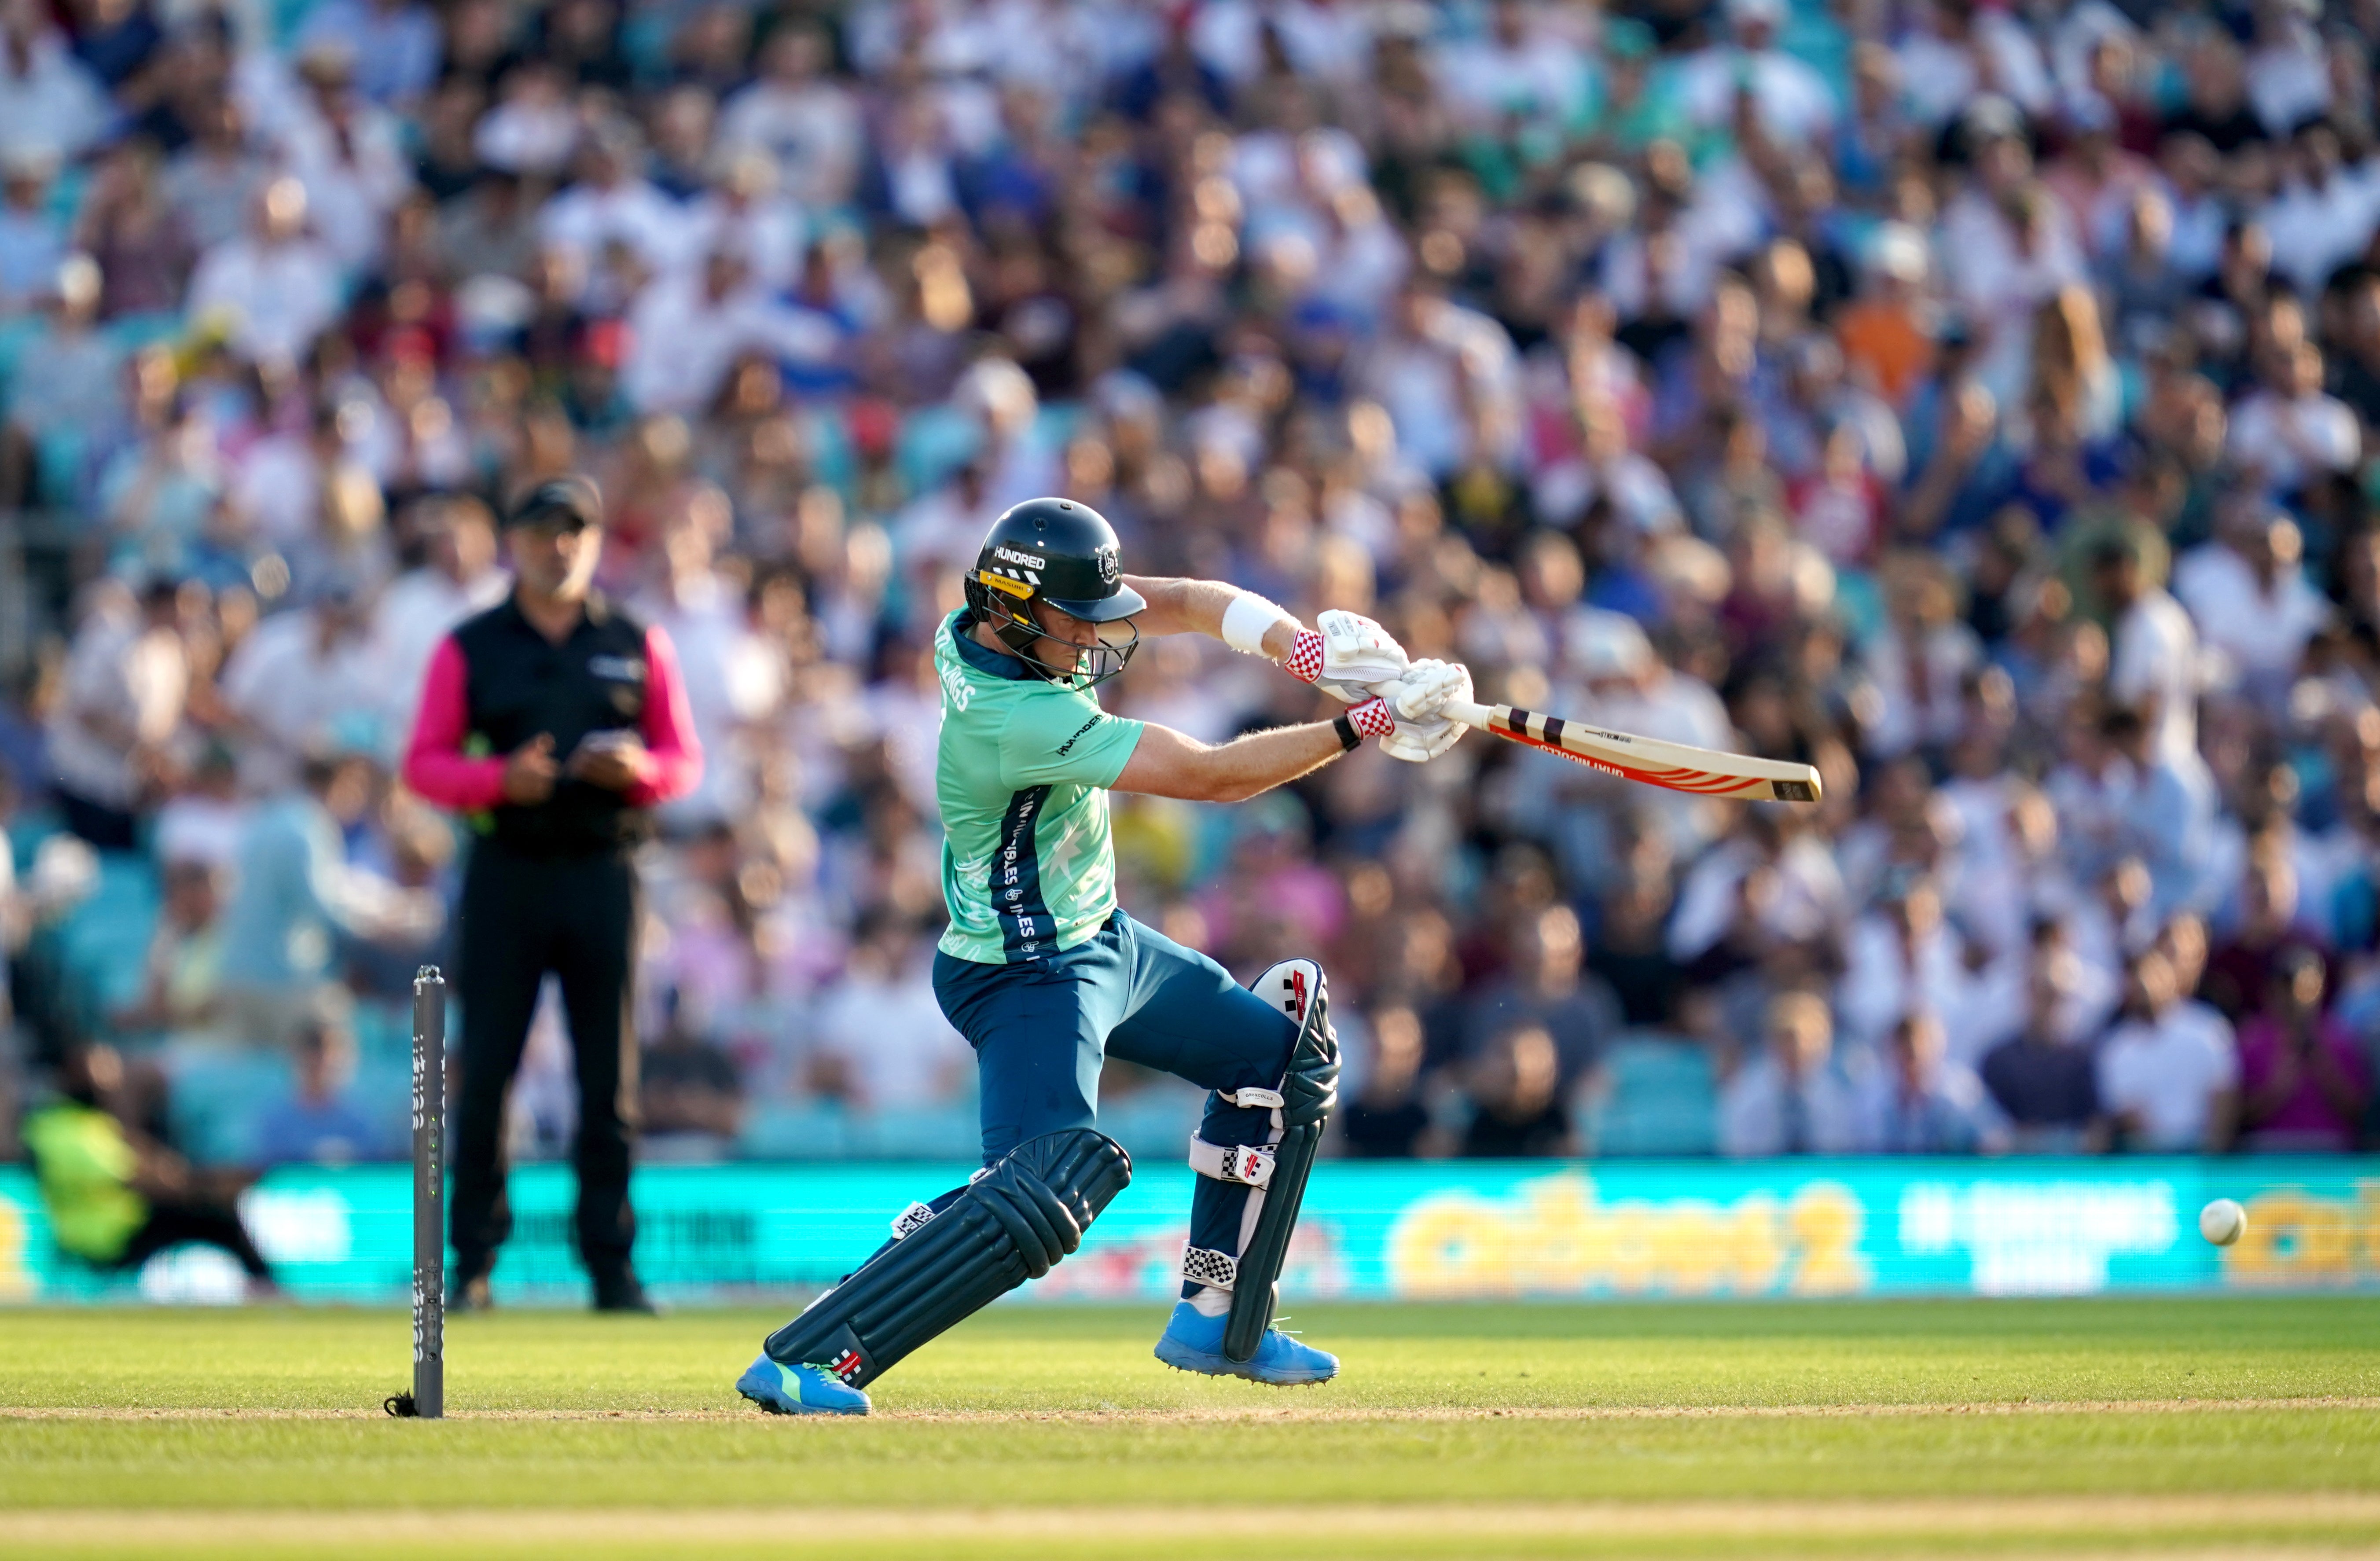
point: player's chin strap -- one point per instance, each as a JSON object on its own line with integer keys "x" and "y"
{"x": 1275, "y": 1172}
{"x": 1014, "y": 1222}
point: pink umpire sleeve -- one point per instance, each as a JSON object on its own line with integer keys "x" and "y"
{"x": 435, "y": 766}
{"x": 673, "y": 754}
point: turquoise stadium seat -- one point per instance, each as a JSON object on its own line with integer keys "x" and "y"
{"x": 105, "y": 940}
{"x": 215, "y": 1098}
{"x": 1659, "y": 1099}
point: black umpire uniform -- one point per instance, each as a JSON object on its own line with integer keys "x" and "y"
{"x": 553, "y": 723}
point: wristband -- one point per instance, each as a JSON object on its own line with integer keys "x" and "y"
{"x": 1349, "y": 738}
{"x": 1246, "y": 620}
{"x": 1373, "y": 718}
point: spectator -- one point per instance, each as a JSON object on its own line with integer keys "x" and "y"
{"x": 1517, "y": 1106}
{"x": 115, "y": 734}
{"x": 460, "y": 577}
{"x": 1385, "y": 1120}
{"x": 2249, "y": 591}
{"x": 271, "y": 290}
{"x": 393, "y": 44}
{"x": 1547, "y": 986}
{"x": 2303, "y": 1081}
{"x": 1920, "y": 1102}
{"x": 2169, "y": 1070}
{"x": 2242, "y": 966}
{"x": 2044, "y": 1078}
{"x": 66, "y": 398}
{"x": 1789, "y": 1097}
{"x": 2154, "y": 665}
{"x": 296, "y": 891}
{"x": 182, "y": 974}
{"x": 33, "y": 241}
{"x": 321, "y": 1123}
{"x": 49, "y": 101}
{"x": 879, "y": 1039}
{"x": 690, "y": 1100}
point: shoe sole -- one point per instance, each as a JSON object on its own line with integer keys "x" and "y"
{"x": 1200, "y": 1363}
{"x": 773, "y": 1402}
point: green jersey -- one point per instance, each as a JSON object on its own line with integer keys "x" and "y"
{"x": 1028, "y": 867}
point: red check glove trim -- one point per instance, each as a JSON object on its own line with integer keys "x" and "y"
{"x": 1373, "y": 718}
{"x": 1305, "y": 662}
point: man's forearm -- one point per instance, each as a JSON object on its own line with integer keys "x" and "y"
{"x": 1261, "y": 761}
{"x": 1167, "y": 764}
{"x": 1196, "y": 607}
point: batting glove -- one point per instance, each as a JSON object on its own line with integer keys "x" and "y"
{"x": 1407, "y": 715}
{"x": 1346, "y": 655}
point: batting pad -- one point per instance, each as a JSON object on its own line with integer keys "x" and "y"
{"x": 1013, "y": 1223}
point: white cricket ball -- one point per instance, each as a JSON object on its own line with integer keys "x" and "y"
{"x": 2222, "y": 1222}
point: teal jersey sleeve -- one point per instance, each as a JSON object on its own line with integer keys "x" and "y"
{"x": 1062, "y": 738}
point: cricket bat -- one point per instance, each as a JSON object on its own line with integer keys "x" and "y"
{"x": 1703, "y": 771}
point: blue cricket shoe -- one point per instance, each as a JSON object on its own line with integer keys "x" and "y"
{"x": 1193, "y": 1342}
{"x": 799, "y": 1390}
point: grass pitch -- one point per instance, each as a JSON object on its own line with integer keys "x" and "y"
{"x": 2202, "y": 1427}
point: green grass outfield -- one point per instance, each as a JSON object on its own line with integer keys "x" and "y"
{"x": 2203, "y": 1427}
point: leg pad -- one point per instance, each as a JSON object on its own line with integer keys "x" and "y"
{"x": 1013, "y": 1223}
{"x": 1309, "y": 1089}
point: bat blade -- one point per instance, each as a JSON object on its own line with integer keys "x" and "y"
{"x": 1674, "y": 766}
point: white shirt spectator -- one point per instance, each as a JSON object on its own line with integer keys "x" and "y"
{"x": 278, "y": 295}
{"x": 352, "y": 182}
{"x": 290, "y": 687}
{"x": 587, "y": 217}
{"x": 421, "y": 608}
{"x": 1762, "y": 1112}
{"x": 2167, "y": 1073}
{"x": 1808, "y": 898}
{"x": 732, "y": 679}
{"x": 394, "y": 45}
{"x": 886, "y": 1030}
{"x": 2263, "y": 629}
{"x": 49, "y": 104}
{"x": 810, "y": 127}
{"x": 2316, "y": 228}
{"x": 1529, "y": 74}
{"x": 1884, "y": 981}
{"x": 2155, "y": 657}
{"x": 1417, "y": 371}
{"x": 1942, "y": 72}
{"x": 769, "y": 230}
{"x": 532, "y": 131}
{"x": 1950, "y": 1113}
{"x": 1794, "y": 103}
{"x": 2289, "y": 79}
{"x": 2293, "y": 439}
{"x": 125, "y": 686}
{"x": 683, "y": 336}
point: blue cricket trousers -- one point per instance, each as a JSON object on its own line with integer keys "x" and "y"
{"x": 1040, "y": 1032}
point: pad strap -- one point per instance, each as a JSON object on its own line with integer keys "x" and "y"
{"x": 1245, "y": 1164}
{"x": 1204, "y": 1265}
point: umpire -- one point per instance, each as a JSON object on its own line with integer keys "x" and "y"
{"x": 553, "y": 723}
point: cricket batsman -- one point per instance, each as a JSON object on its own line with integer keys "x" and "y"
{"x": 1045, "y": 975}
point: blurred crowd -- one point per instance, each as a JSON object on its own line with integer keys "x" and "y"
{"x": 1975, "y": 400}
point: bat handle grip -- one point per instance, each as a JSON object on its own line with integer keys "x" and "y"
{"x": 1467, "y": 713}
